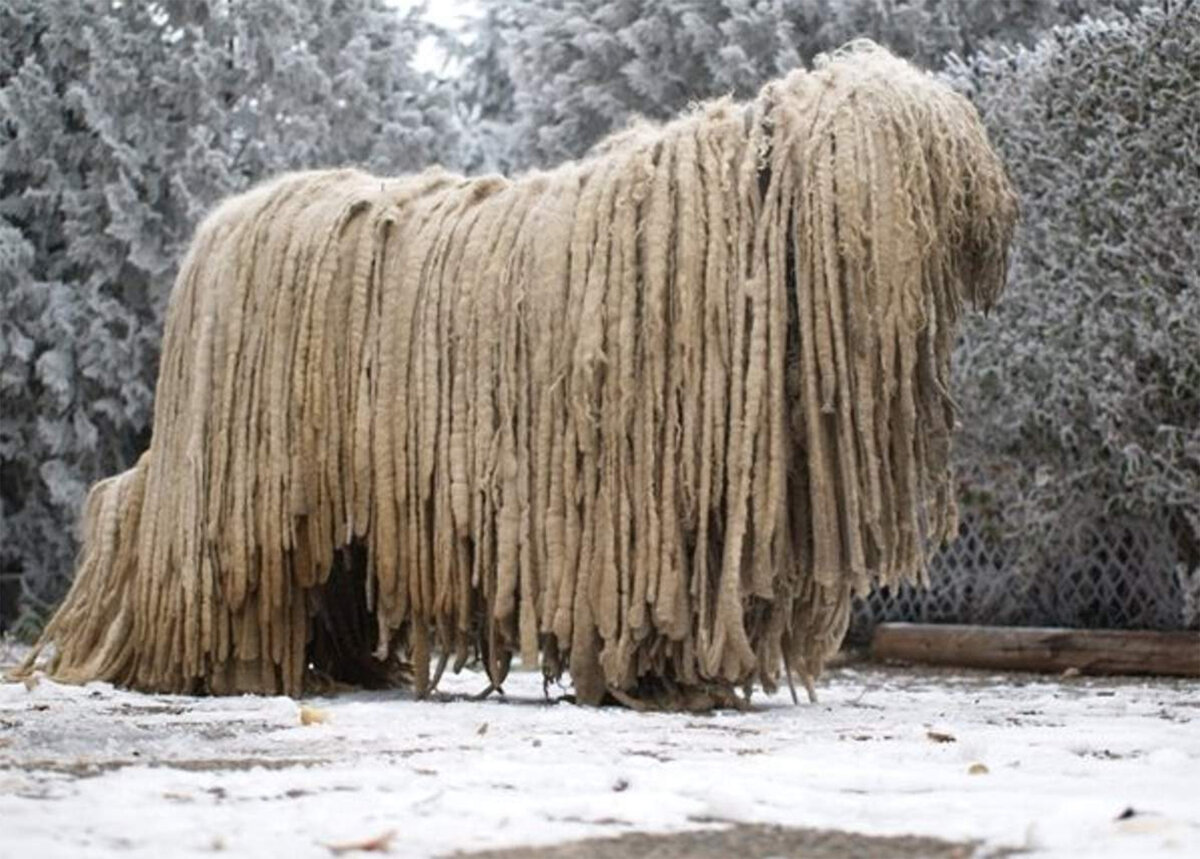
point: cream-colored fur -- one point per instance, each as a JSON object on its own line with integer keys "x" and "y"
{"x": 653, "y": 416}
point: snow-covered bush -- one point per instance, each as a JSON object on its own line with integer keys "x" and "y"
{"x": 1081, "y": 395}
{"x": 120, "y": 123}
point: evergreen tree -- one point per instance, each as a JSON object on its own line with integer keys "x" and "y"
{"x": 579, "y": 69}
{"x": 120, "y": 124}
{"x": 484, "y": 90}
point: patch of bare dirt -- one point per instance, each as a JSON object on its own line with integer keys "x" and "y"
{"x": 748, "y": 841}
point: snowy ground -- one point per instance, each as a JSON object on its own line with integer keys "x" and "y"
{"x": 1007, "y": 761}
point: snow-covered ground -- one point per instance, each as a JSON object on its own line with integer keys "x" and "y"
{"x": 1048, "y": 765}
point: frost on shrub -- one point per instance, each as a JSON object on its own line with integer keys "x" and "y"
{"x": 1083, "y": 390}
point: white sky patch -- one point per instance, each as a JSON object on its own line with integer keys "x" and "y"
{"x": 449, "y": 14}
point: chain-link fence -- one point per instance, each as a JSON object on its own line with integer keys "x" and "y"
{"x": 1101, "y": 571}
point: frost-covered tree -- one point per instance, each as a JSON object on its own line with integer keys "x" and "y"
{"x": 120, "y": 124}
{"x": 927, "y": 31}
{"x": 1083, "y": 390}
{"x": 571, "y": 71}
{"x": 577, "y": 69}
{"x": 483, "y": 89}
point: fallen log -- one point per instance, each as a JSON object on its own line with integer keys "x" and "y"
{"x": 1087, "y": 651}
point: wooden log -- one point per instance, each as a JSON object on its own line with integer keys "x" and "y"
{"x": 1088, "y": 651}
